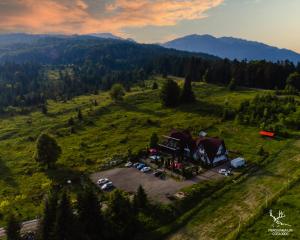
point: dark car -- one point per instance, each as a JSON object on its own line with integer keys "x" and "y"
{"x": 158, "y": 173}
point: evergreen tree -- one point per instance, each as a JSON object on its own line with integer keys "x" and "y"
{"x": 71, "y": 121}
{"x": 122, "y": 217}
{"x": 140, "y": 198}
{"x": 47, "y": 150}
{"x": 232, "y": 85}
{"x": 64, "y": 228}
{"x": 153, "y": 140}
{"x": 89, "y": 215}
{"x": 13, "y": 228}
{"x": 187, "y": 94}
{"x": 46, "y": 226}
{"x": 170, "y": 94}
{"x": 205, "y": 77}
{"x": 44, "y": 109}
{"x": 293, "y": 80}
{"x": 79, "y": 115}
{"x": 154, "y": 86}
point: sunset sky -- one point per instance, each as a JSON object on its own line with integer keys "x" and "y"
{"x": 275, "y": 22}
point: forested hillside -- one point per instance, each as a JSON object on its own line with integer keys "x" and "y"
{"x": 34, "y": 69}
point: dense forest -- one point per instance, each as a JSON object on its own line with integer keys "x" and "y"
{"x": 255, "y": 74}
{"x": 61, "y": 68}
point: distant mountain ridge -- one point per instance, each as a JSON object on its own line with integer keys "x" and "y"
{"x": 13, "y": 38}
{"x": 70, "y": 49}
{"x": 232, "y": 48}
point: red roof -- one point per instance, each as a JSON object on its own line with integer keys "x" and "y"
{"x": 211, "y": 145}
{"x": 267, "y": 134}
{"x": 185, "y": 138}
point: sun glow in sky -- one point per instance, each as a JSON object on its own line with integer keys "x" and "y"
{"x": 275, "y": 22}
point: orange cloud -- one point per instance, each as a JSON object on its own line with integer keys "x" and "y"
{"x": 67, "y": 16}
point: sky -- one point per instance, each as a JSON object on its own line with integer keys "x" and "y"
{"x": 275, "y": 22}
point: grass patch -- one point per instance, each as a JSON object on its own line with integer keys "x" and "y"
{"x": 107, "y": 130}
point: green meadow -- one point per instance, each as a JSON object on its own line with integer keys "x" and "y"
{"x": 110, "y": 129}
{"x": 289, "y": 203}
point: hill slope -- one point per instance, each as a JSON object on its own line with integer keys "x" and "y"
{"x": 62, "y": 49}
{"x": 232, "y": 48}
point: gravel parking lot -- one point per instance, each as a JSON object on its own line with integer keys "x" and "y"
{"x": 129, "y": 179}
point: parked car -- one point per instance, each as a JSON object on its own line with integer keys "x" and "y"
{"x": 141, "y": 166}
{"x": 145, "y": 169}
{"x": 225, "y": 172}
{"x": 107, "y": 186}
{"x": 136, "y": 164}
{"x": 102, "y": 181}
{"x": 158, "y": 173}
{"x": 129, "y": 164}
{"x": 155, "y": 157}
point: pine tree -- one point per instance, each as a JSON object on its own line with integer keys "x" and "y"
{"x": 154, "y": 86}
{"x": 46, "y": 226}
{"x": 89, "y": 214}
{"x": 121, "y": 215}
{"x": 140, "y": 198}
{"x": 79, "y": 115}
{"x": 13, "y": 228}
{"x": 153, "y": 140}
{"x": 47, "y": 150}
{"x": 187, "y": 94}
{"x": 232, "y": 84}
{"x": 71, "y": 121}
{"x": 44, "y": 109}
{"x": 170, "y": 93}
{"x": 64, "y": 224}
{"x": 293, "y": 80}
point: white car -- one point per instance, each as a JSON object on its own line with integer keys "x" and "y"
{"x": 224, "y": 172}
{"x": 129, "y": 164}
{"x": 145, "y": 169}
{"x": 155, "y": 157}
{"x": 102, "y": 181}
{"x": 107, "y": 186}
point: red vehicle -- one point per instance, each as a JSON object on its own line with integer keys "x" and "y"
{"x": 267, "y": 134}
{"x": 153, "y": 151}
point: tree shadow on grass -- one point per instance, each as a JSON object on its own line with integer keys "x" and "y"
{"x": 61, "y": 175}
{"x": 133, "y": 108}
{"x": 6, "y": 174}
{"x": 202, "y": 108}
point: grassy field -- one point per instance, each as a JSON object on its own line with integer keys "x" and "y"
{"x": 241, "y": 201}
{"x": 290, "y": 204}
{"x": 110, "y": 129}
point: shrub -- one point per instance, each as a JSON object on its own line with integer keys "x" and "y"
{"x": 117, "y": 92}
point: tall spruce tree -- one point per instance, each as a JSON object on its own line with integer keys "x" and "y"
{"x": 154, "y": 140}
{"x": 122, "y": 217}
{"x": 187, "y": 94}
{"x": 293, "y": 81}
{"x": 232, "y": 84}
{"x": 64, "y": 228}
{"x": 170, "y": 93}
{"x": 89, "y": 215}
{"x": 13, "y": 228}
{"x": 46, "y": 226}
{"x": 140, "y": 199}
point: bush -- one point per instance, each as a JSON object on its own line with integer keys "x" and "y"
{"x": 117, "y": 92}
